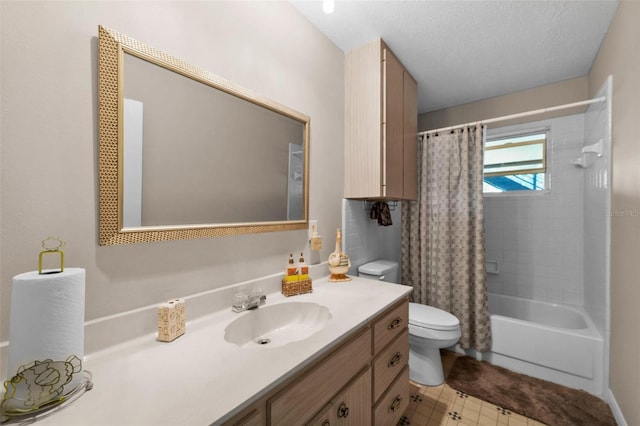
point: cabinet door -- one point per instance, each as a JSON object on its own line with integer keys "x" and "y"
{"x": 351, "y": 407}
{"x": 363, "y": 121}
{"x": 393, "y": 123}
{"x": 410, "y": 128}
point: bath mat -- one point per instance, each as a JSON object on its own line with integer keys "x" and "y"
{"x": 537, "y": 399}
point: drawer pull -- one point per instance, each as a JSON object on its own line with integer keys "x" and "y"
{"x": 395, "y": 360}
{"x": 343, "y": 411}
{"x": 395, "y": 404}
{"x": 395, "y": 323}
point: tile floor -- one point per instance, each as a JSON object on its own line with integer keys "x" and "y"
{"x": 443, "y": 405}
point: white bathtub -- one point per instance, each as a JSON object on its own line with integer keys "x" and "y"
{"x": 552, "y": 342}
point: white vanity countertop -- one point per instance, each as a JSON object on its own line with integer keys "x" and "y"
{"x": 200, "y": 378}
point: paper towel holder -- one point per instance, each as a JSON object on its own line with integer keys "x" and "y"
{"x": 51, "y": 250}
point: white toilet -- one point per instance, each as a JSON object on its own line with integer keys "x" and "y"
{"x": 430, "y": 329}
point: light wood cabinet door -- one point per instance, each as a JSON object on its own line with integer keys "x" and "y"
{"x": 381, "y": 122}
{"x": 351, "y": 407}
{"x": 393, "y": 121}
{"x": 410, "y": 138}
{"x": 363, "y": 121}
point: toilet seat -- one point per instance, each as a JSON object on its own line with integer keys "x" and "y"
{"x": 432, "y": 318}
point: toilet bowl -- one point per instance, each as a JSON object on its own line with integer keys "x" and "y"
{"x": 430, "y": 328}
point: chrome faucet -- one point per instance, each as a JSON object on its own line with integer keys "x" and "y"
{"x": 243, "y": 301}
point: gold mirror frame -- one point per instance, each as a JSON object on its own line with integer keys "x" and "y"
{"x": 112, "y": 46}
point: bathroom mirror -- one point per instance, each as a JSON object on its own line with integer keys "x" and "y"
{"x": 187, "y": 154}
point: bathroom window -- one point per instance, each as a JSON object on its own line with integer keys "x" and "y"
{"x": 515, "y": 163}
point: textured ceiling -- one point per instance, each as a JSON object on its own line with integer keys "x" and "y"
{"x": 463, "y": 51}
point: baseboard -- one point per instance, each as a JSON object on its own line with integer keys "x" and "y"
{"x": 615, "y": 409}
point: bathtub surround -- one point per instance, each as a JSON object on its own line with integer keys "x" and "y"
{"x": 552, "y": 245}
{"x": 596, "y": 207}
{"x": 536, "y": 399}
{"x": 537, "y": 238}
{"x": 443, "y": 233}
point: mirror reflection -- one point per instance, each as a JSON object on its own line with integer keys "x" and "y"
{"x": 197, "y": 155}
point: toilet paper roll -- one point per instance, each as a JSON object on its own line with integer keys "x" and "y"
{"x": 46, "y": 338}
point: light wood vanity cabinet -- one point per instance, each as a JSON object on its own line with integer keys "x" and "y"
{"x": 381, "y": 125}
{"x": 364, "y": 381}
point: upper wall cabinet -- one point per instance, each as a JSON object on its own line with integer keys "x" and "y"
{"x": 381, "y": 126}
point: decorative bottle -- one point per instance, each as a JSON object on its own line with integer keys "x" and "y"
{"x": 291, "y": 268}
{"x": 303, "y": 268}
{"x": 339, "y": 262}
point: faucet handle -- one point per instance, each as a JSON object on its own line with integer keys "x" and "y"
{"x": 258, "y": 295}
{"x": 240, "y": 300}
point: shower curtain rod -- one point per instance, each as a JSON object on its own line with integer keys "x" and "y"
{"x": 518, "y": 115}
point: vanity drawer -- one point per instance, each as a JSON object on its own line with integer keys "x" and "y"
{"x": 390, "y": 326}
{"x": 389, "y": 363}
{"x": 298, "y": 402}
{"x": 394, "y": 403}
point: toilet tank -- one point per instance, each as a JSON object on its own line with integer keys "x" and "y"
{"x": 381, "y": 270}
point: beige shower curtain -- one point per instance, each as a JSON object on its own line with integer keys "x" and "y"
{"x": 443, "y": 234}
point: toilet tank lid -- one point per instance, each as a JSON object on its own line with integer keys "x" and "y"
{"x": 431, "y": 317}
{"x": 377, "y": 267}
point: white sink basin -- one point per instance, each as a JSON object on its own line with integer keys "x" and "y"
{"x": 277, "y": 325}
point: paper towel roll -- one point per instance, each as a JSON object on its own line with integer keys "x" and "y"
{"x": 46, "y": 338}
